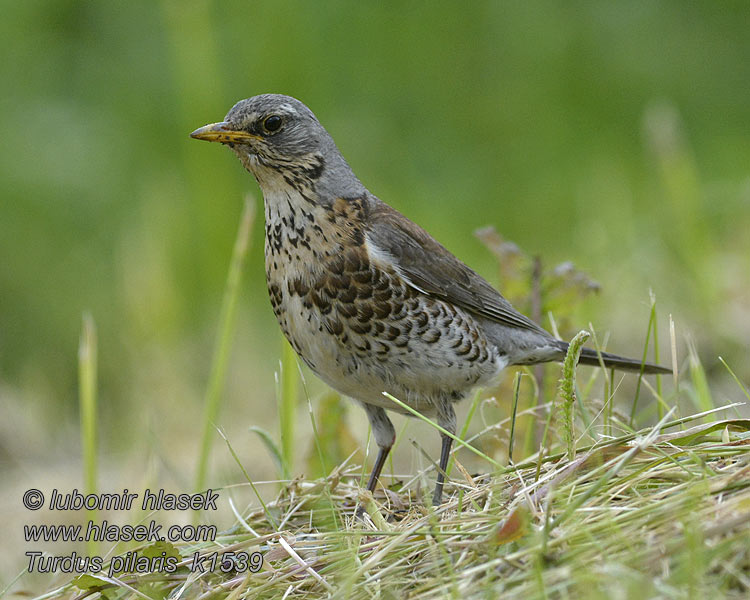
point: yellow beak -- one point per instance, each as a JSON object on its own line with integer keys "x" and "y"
{"x": 223, "y": 132}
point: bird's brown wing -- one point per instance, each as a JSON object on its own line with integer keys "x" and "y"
{"x": 431, "y": 268}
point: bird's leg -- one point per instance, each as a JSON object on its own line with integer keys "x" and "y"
{"x": 385, "y": 435}
{"x": 447, "y": 420}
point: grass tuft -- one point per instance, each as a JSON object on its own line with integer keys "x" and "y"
{"x": 652, "y": 514}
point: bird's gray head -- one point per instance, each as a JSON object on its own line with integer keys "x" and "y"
{"x": 281, "y": 142}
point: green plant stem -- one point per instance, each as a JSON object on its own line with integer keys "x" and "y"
{"x": 222, "y": 347}
{"x": 568, "y": 389}
{"x": 87, "y": 399}
{"x": 444, "y": 431}
{"x": 516, "y": 390}
{"x": 651, "y": 327}
{"x": 289, "y": 386}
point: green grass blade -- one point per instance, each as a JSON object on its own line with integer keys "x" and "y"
{"x": 249, "y": 479}
{"x": 87, "y": 400}
{"x": 702, "y": 393}
{"x": 516, "y": 391}
{"x": 222, "y": 347}
{"x": 288, "y": 392}
{"x": 444, "y": 431}
{"x": 270, "y": 444}
{"x": 568, "y": 389}
{"x": 736, "y": 379}
{"x": 651, "y": 327}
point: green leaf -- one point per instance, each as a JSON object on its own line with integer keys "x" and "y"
{"x": 88, "y": 582}
{"x": 270, "y": 444}
{"x": 157, "y": 548}
{"x": 687, "y": 436}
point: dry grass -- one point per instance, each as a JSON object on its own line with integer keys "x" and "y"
{"x": 664, "y": 512}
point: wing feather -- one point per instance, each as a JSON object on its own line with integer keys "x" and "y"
{"x": 432, "y": 269}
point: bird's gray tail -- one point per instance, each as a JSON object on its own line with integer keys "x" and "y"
{"x": 613, "y": 361}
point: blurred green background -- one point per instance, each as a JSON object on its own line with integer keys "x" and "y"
{"x": 614, "y": 135}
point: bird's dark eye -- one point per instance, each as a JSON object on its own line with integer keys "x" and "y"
{"x": 272, "y": 123}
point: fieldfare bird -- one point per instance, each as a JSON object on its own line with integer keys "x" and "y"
{"x": 368, "y": 299}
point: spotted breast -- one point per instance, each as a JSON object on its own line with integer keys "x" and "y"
{"x": 356, "y": 321}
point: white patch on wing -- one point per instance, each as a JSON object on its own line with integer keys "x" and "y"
{"x": 378, "y": 255}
